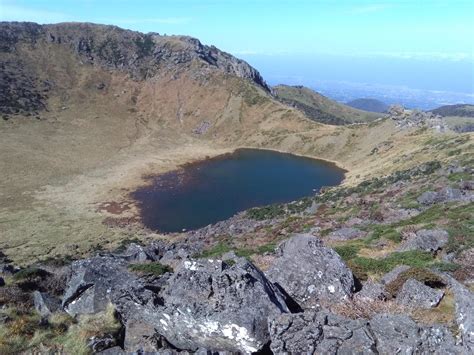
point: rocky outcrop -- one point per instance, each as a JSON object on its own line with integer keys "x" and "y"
{"x": 415, "y": 118}
{"x": 142, "y": 56}
{"x": 310, "y": 272}
{"x": 210, "y": 304}
{"x": 415, "y": 294}
{"x": 94, "y": 283}
{"x": 430, "y": 240}
{"x": 446, "y": 194}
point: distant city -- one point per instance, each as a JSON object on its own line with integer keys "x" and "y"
{"x": 391, "y": 94}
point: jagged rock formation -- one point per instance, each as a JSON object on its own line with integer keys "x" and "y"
{"x": 142, "y": 56}
{"x": 414, "y": 118}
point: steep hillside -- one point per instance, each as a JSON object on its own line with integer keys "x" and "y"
{"x": 371, "y": 105}
{"x": 319, "y": 108}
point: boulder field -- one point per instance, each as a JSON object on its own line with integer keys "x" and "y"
{"x": 168, "y": 301}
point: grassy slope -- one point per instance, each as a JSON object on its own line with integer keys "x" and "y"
{"x": 322, "y": 106}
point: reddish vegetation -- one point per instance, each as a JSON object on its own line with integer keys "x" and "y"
{"x": 114, "y": 207}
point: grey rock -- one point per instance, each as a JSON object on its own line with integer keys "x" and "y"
{"x": 430, "y": 240}
{"x": 392, "y": 275}
{"x": 2, "y": 282}
{"x": 467, "y": 185}
{"x": 137, "y": 253}
{"x": 93, "y": 283}
{"x": 372, "y": 291}
{"x": 209, "y": 304}
{"x": 399, "y": 334}
{"x": 45, "y": 304}
{"x": 140, "y": 337}
{"x": 319, "y": 333}
{"x": 97, "y": 344}
{"x": 428, "y": 198}
{"x": 116, "y": 350}
{"x": 310, "y": 272}
{"x": 344, "y": 234}
{"x": 446, "y": 194}
{"x": 464, "y": 311}
{"x": 415, "y": 294}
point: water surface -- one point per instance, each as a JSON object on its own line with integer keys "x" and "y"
{"x": 215, "y": 189}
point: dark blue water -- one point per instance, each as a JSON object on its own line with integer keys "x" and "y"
{"x": 213, "y": 190}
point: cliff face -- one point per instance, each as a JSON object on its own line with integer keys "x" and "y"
{"x": 142, "y": 56}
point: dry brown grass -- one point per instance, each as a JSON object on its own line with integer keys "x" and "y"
{"x": 358, "y": 308}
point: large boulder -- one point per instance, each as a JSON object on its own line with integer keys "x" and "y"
{"x": 430, "y": 240}
{"x": 93, "y": 284}
{"x": 415, "y": 294}
{"x": 208, "y": 304}
{"x": 310, "y": 272}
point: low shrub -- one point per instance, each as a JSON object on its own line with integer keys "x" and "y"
{"x": 30, "y": 273}
{"x": 154, "y": 268}
{"x": 267, "y": 212}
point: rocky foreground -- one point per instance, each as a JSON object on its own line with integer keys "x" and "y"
{"x": 165, "y": 302}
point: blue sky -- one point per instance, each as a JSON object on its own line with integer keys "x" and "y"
{"x": 265, "y": 32}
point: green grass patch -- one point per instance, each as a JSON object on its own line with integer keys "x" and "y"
{"x": 413, "y": 258}
{"x": 382, "y": 231}
{"x": 456, "y": 177}
{"x": 347, "y": 252}
{"x": 154, "y": 268}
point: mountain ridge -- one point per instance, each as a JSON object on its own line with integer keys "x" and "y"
{"x": 320, "y": 108}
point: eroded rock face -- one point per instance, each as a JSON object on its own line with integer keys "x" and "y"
{"x": 309, "y": 271}
{"x": 319, "y": 333}
{"x": 325, "y": 333}
{"x": 209, "y": 304}
{"x": 415, "y": 294}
